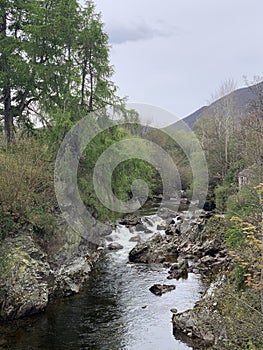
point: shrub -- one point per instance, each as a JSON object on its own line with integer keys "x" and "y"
{"x": 26, "y": 184}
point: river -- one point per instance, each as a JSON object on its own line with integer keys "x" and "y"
{"x": 115, "y": 311}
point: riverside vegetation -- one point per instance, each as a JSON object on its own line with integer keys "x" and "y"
{"x": 55, "y": 70}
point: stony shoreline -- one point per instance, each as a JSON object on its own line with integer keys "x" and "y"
{"x": 34, "y": 274}
{"x": 188, "y": 247}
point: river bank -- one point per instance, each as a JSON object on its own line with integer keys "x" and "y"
{"x": 36, "y": 269}
{"x": 115, "y": 309}
{"x": 181, "y": 252}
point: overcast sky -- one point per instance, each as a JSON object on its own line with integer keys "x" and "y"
{"x": 175, "y": 53}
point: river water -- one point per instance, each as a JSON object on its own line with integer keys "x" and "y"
{"x": 115, "y": 311}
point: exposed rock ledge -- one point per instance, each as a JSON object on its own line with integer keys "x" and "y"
{"x": 33, "y": 272}
{"x": 203, "y": 325}
{"x": 188, "y": 242}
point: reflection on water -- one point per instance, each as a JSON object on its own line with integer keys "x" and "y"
{"x": 115, "y": 311}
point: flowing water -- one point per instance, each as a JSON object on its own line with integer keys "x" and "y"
{"x": 115, "y": 311}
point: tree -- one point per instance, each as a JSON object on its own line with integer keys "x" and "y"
{"x": 46, "y": 46}
{"x": 217, "y": 128}
{"x": 252, "y": 131}
{"x": 14, "y": 73}
{"x": 97, "y": 90}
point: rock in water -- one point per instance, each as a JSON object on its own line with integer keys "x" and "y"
{"x": 131, "y": 220}
{"x": 135, "y": 239}
{"x": 179, "y": 270}
{"x": 115, "y": 246}
{"x": 174, "y": 310}
{"x": 159, "y": 289}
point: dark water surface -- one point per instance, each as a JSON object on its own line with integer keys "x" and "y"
{"x": 115, "y": 311}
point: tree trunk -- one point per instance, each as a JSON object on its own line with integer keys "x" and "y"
{"x": 91, "y": 82}
{"x": 83, "y": 79}
{"x": 8, "y": 118}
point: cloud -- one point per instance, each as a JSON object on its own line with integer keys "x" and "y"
{"x": 120, "y": 34}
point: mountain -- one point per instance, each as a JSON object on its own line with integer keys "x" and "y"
{"x": 238, "y": 101}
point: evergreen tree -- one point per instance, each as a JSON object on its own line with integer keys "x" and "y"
{"x": 54, "y": 61}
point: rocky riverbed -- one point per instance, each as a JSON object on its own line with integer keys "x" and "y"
{"x": 36, "y": 272}
{"x": 189, "y": 247}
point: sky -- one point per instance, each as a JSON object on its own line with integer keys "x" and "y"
{"x": 175, "y": 54}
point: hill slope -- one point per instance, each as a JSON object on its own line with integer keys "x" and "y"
{"x": 238, "y": 100}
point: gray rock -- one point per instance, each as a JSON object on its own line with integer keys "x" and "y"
{"x": 115, "y": 246}
{"x": 203, "y": 322}
{"x": 31, "y": 275}
{"x": 140, "y": 227}
{"x": 148, "y": 231}
{"x": 156, "y": 250}
{"x": 161, "y": 227}
{"x": 148, "y": 221}
{"x": 159, "y": 289}
{"x": 24, "y": 286}
{"x": 174, "y": 310}
{"x": 179, "y": 270}
{"x": 135, "y": 239}
{"x": 131, "y": 220}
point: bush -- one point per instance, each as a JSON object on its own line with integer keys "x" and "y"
{"x": 221, "y": 194}
{"x": 244, "y": 203}
{"x": 26, "y": 183}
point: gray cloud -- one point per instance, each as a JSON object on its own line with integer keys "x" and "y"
{"x": 119, "y": 34}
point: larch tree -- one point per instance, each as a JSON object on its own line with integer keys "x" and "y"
{"x": 54, "y": 62}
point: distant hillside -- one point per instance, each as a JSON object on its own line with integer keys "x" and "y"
{"x": 239, "y": 99}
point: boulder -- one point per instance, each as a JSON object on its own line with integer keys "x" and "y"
{"x": 115, "y": 246}
{"x": 24, "y": 278}
{"x": 155, "y": 250}
{"x": 34, "y": 270}
{"x": 148, "y": 221}
{"x": 140, "y": 227}
{"x": 179, "y": 270}
{"x": 166, "y": 213}
{"x": 130, "y": 220}
{"x": 135, "y": 239}
{"x": 174, "y": 310}
{"x": 159, "y": 289}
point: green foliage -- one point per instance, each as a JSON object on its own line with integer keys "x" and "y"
{"x": 26, "y": 185}
{"x": 235, "y": 238}
{"x": 54, "y": 63}
{"x": 243, "y": 204}
{"x": 121, "y": 178}
{"x": 221, "y": 195}
{"x": 242, "y": 318}
{"x": 7, "y": 225}
{"x": 42, "y": 221}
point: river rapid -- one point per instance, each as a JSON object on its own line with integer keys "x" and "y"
{"x": 115, "y": 310}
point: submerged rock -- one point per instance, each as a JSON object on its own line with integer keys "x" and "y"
{"x": 140, "y": 228}
{"x": 159, "y": 289}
